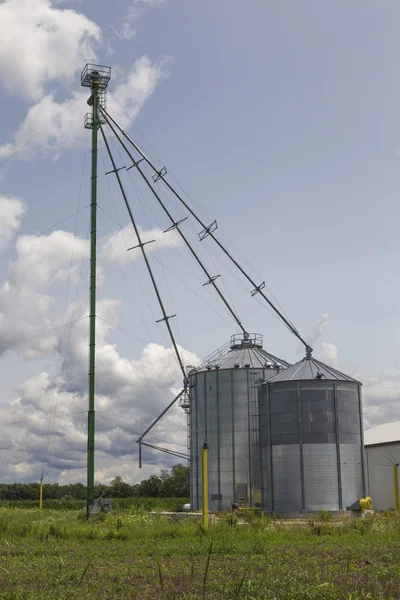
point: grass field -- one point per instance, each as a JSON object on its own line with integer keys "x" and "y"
{"x": 131, "y": 554}
{"x": 171, "y": 504}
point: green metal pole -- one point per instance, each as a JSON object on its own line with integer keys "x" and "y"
{"x": 92, "y": 342}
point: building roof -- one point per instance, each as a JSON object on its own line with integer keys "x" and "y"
{"x": 387, "y": 433}
{"x": 239, "y": 353}
{"x": 308, "y": 369}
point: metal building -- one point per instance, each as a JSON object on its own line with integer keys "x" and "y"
{"x": 382, "y": 450}
{"x": 311, "y": 439}
{"x": 223, "y": 410}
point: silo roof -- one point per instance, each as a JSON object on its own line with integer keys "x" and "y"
{"x": 308, "y": 369}
{"x": 255, "y": 358}
{"x": 239, "y": 353}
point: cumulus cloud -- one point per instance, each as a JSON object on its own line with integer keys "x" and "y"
{"x": 329, "y": 354}
{"x": 381, "y": 398}
{"x": 40, "y": 43}
{"x": 129, "y": 394}
{"x": 380, "y": 391}
{"x": 136, "y": 86}
{"x": 134, "y": 11}
{"x": 62, "y": 121}
{"x": 115, "y": 247}
{"x": 26, "y": 305}
{"x": 11, "y": 211}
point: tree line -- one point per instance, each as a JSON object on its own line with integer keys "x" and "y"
{"x": 173, "y": 484}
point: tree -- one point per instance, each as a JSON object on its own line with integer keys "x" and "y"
{"x": 173, "y": 484}
{"x": 119, "y": 489}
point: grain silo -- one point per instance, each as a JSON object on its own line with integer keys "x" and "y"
{"x": 311, "y": 439}
{"x": 223, "y": 410}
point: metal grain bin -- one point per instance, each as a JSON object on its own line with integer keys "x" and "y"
{"x": 311, "y": 438}
{"x": 223, "y": 410}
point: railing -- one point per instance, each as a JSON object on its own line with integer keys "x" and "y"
{"x": 251, "y": 340}
{"x": 254, "y": 340}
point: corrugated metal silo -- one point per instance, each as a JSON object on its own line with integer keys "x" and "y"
{"x": 224, "y": 411}
{"x": 311, "y": 438}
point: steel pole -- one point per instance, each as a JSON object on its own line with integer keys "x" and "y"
{"x": 41, "y": 494}
{"x": 396, "y": 487}
{"x": 204, "y": 469}
{"x": 92, "y": 342}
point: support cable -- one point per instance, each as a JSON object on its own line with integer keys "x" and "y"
{"x": 38, "y": 235}
{"x": 173, "y": 273}
{"x": 117, "y": 222}
{"x": 208, "y": 230}
{"x": 143, "y": 204}
{"x": 167, "y": 451}
{"x": 166, "y": 409}
{"x": 176, "y": 225}
{"x": 135, "y": 374}
{"x": 23, "y": 146}
{"x": 80, "y": 412}
{"x": 27, "y": 339}
{"x": 51, "y": 427}
{"x": 153, "y": 446}
{"x": 141, "y": 245}
{"x": 139, "y": 196}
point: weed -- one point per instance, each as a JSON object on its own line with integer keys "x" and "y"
{"x": 85, "y": 570}
{"x": 44, "y": 556}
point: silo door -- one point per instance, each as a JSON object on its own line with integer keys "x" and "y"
{"x": 242, "y": 496}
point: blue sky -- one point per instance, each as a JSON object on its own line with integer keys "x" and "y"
{"x": 282, "y": 119}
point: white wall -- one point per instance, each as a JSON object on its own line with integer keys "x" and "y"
{"x": 379, "y": 461}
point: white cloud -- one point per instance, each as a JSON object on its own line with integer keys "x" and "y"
{"x": 11, "y": 211}
{"x": 134, "y": 11}
{"x": 28, "y": 303}
{"x": 329, "y": 354}
{"x": 129, "y": 394}
{"x": 115, "y": 247}
{"x": 381, "y": 399}
{"x": 40, "y": 43}
{"x": 136, "y": 86}
{"x": 129, "y": 391}
{"x": 26, "y": 306}
{"x": 380, "y": 391}
{"x": 62, "y": 122}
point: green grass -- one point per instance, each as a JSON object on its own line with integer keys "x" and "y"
{"x": 58, "y": 555}
{"x": 168, "y": 504}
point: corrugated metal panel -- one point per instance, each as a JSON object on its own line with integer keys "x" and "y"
{"x": 319, "y": 422}
{"x": 320, "y": 477}
{"x": 225, "y": 412}
{"x": 286, "y": 478}
{"x": 351, "y": 469}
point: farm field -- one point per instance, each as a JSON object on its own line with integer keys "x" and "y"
{"x": 56, "y": 554}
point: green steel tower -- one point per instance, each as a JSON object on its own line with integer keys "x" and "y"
{"x": 95, "y": 77}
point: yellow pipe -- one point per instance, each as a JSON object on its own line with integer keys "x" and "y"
{"x": 396, "y": 487}
{"x": 41, "y": 494}
{"x": 204, "y": 470}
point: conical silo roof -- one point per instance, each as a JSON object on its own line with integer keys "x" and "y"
{"x": 243, "y": 352}
{"x": 309, "y": 369}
